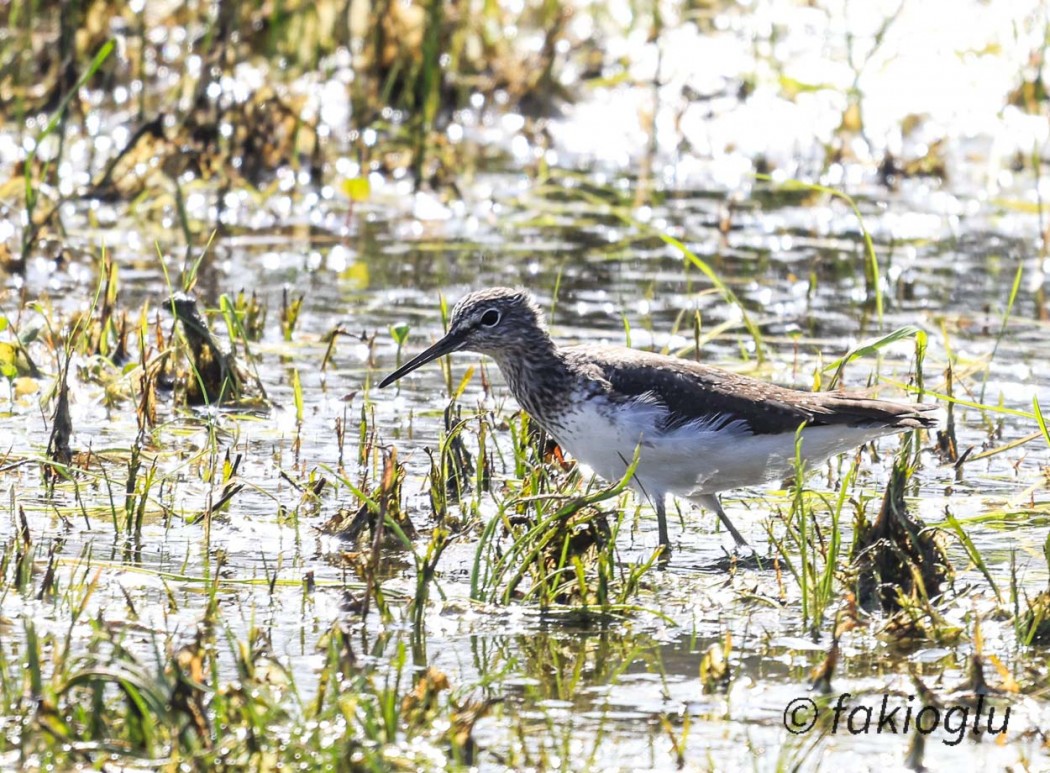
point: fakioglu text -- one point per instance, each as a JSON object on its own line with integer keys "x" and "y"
{"x": 901, "y": 717}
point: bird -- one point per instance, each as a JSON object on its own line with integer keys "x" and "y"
{"x": 699, "y": 430}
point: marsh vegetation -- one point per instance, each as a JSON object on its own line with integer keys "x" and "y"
{"x": 222, "y": 223}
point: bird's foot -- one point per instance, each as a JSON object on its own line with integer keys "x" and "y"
{"x": 743, "y": 557}
{"x": 664, "y": 559}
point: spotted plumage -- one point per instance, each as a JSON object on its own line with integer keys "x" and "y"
{"x": 701, "y": 429}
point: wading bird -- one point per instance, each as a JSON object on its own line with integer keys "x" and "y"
{"x": 699, "y": 429}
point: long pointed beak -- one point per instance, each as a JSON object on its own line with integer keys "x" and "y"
{"x": 450, "y": 343}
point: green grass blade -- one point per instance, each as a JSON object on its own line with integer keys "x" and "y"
{"x": 1040, "y": 420}
{"x": 1002, "y": 328}
{"x": 868, "y": 349}
{"x": 973, "y": 553}
{"x": 869, "y": 244}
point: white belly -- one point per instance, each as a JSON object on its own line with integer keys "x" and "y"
{"x": 695, "y": 459}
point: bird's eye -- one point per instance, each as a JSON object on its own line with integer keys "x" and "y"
{"x": 490, "y": 318}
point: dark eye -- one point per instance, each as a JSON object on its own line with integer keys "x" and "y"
{"x": 490, "y": 318}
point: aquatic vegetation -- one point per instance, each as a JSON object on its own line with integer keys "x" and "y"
{"x": 221, "y": 547}
{"x": 215, "y": 377}
{"x": 562, "y": 548}
{"x": 896, "y": 555}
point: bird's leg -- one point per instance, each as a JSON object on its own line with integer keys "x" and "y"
{"x": 710, "y": 502}
{"x": 661, "y": 520}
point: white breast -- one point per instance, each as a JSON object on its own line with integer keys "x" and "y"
{"x": 704, "y": 457}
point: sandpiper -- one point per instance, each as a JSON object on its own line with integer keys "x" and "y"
{"x": 700, "y": 429}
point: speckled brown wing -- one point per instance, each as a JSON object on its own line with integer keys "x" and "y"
{"x": 693, "y": 391}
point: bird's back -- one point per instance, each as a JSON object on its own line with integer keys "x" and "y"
{"x": 692, "y": 392}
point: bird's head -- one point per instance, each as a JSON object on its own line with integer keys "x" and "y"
{"x": 498, "y": 321}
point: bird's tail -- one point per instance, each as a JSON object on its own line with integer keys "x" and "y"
{"x": 870, "y": 412}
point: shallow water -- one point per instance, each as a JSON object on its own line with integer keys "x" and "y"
{"x": 620, "y": 691}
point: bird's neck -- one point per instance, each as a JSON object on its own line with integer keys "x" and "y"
{"x": 538, "y": 377}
